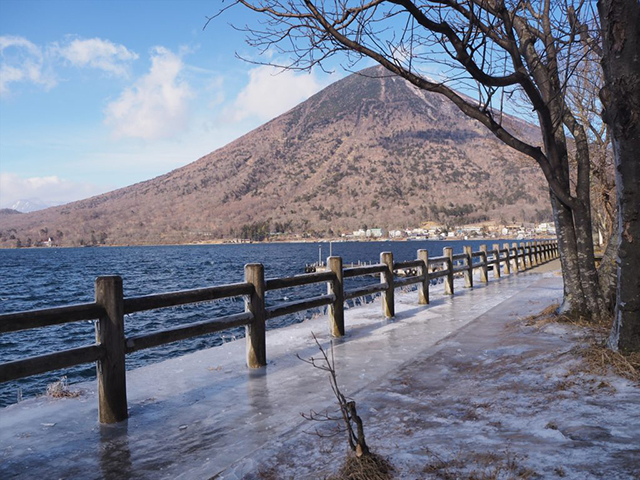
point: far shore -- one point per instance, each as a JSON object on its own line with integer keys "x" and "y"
{"x": 287, "y": 241}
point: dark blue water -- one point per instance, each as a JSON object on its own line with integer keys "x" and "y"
{"x": 41, "y": 278}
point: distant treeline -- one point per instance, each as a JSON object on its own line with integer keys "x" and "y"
{"x": 258, "y": 231}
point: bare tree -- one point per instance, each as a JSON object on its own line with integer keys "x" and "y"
{"x": 583, "y": 98}
{"x": 521, "y": 49}
{"x": 621, "y": 97}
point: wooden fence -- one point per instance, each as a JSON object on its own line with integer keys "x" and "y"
{"x": 110, "y": 307}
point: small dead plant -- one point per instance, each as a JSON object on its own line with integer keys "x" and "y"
{"x": 60, "y": 389}
{"x": 366, "y": 467}
{"x": 361, "y": 463}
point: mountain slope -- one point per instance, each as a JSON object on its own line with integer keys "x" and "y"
{"x": 364, "y": 151}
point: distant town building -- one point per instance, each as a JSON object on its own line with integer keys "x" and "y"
{"x": 548, "y": 228}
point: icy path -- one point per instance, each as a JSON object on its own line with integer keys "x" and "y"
{"x": 205, "y": 414}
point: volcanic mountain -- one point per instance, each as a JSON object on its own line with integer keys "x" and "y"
{"x": 370, "y": 149}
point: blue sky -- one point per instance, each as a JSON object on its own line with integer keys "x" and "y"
{"x": 97, "y": 95}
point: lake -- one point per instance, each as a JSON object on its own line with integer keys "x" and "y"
{"x": 42, "y": 278}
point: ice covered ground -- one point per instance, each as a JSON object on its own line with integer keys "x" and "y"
{"x": 460, "y": 381}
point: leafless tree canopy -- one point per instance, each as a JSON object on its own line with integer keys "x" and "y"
{"x": 530, "y": 51}
{"x": 503, "y": 50}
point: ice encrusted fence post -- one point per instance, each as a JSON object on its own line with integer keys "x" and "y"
{"x": 112, "y": 382}
{"x": 423, "y": 288}
{"x": 516, "y": 259}
{"x": 507, "y": 261}
{"x": 496, "y": 265}
{"x": 388, "y": 296}
{"x": 256, "y": 330}
{"x": 468, "y": 273}
{"x": 336, "y": 286}
{"x": 523, "y": 249}
{"x": 484, "y": 275}
{"x": 539, "y": 253}
{"x": 448, "y": 281}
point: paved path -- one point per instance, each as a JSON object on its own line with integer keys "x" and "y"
{"x": 498, "y": 398}
{"x": 205, "y": 414}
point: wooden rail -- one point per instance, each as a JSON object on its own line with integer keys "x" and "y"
{"x": 110, "y": 307}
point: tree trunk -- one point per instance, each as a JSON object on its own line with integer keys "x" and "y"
{"x": 573, "y": 299}
{"x": 607, "y": 273}
{"x": 621, "y": 98}
{"x": 587, "y": 263}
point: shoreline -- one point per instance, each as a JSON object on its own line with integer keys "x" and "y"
{"x": 302, "y": 241}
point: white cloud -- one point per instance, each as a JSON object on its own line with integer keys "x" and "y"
{"x": 98, "y": 53}
{"x": 271, "y": 92}
{"x": 50, "y": 190}
{"x": 156, "y": 106}
{"x": 21, "y": 61}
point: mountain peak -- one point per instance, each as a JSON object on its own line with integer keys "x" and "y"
{"x": 370, "y": 149}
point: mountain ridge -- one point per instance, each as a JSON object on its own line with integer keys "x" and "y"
{"x": 369, "y": 149}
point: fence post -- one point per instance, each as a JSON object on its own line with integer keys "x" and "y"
{"x": 507, "y": 261}
{"x": 468, "y": 274}
{"x": 484, "y": 274}
{"x": 516, "y": 265}
{"x": 336, "y": 309}
{"x": 524, "y": 255}
{"x": 256, "y": 330}
{"x": 496, "y": 266}
{"x": 539, "y": 253}
{"x": 423, "y": 288}
{"x": 534, "y": 253}
{"x": 112, "y": 380}
{"x": 531, "y": 264}
{"x": 448, "y": 282}
{"x": 388, "y": 296}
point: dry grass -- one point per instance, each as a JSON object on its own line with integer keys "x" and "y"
{"x": 597, "y": 358}
{"x": 366, "y": 467}
{"x": 600, "y": 360}
{"x": 478, "y": 466}
{"x": 60, "y": 389}
{"x": 548, "y": 315}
